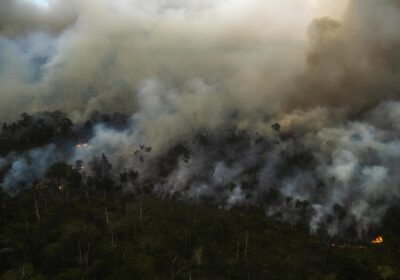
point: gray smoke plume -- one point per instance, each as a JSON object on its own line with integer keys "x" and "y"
{"x": 23, "y": 17}
{"x": 101, "y": 55}
{"x": 327, "y": 73}
{"x": 29, "y": 167}
{"x": 354, "y": 62}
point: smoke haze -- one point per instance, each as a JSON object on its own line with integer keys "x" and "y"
{"x": 80, "y": 56}
{"x": 327, "y": 73}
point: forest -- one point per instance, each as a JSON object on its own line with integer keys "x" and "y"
{"x": 76, "y": 225}
{"x": 199, "y": 139}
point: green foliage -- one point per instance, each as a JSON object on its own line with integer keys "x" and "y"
{"x": 33, "y": 130}
{"x": 114, "y": 235}
{"x": 91, "y": 229}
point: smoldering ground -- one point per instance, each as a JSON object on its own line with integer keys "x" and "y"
{"x": 328, "y": 74}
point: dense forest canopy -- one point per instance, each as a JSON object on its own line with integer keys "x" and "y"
{"x": 86, "y": 221}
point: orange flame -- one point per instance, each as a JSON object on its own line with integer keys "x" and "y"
{"x": 84, "y": 145}
{"x": 377, "y": 240}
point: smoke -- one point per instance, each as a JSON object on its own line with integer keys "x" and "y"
{"x": 346, "y": 172}
{"x": 29, "y": 167}
{"x": 355, "y": 62}
{"x": 101, "y": 56}
{"x": 226, "y": 72}
{"x": 22, "y": 17}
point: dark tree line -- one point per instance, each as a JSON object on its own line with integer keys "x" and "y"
{"x": 74, "y": 226}
{"x": 78, "y": 224}
{"x": 33, "y": 130}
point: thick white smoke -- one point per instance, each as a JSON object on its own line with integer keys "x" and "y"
{"x": 103, "y": 51}
{"x": 327, "y": 71}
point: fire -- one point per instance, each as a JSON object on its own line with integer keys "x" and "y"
{"x": 377, "y": 240}
{"x": 85, "y": 145}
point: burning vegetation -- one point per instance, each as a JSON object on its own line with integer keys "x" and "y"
{"x": 377, "y": 240}
{"x": 231, "y": 168}
{"x": 251, "y": 145}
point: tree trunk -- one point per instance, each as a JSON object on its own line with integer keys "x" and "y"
{"x": 140, "y": 212}
{"x": 237, "y": 250}
{"x": 37, "y": 212}
{"x": 66, "y": 195}
{"x": 246, "y": 244}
